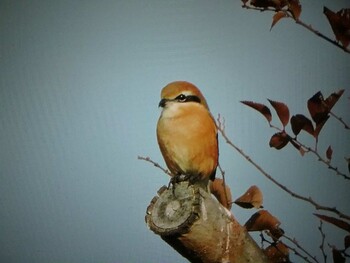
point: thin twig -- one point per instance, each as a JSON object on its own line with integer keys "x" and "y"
{"x": 323, "y": 236}
{"x": 296, "y": 243}
{"x": 299, "y": 22}
{"x": 311, "y": 29}
{"x": 315, "y": 152}
{"x": 147, "y": 159}
{"x": 268, "y": 176}
{"x": 321, "y": 159}
{"x": 224, "y": 182}
{"x": 346, "y": 126}
{"x": 296, "y": 252}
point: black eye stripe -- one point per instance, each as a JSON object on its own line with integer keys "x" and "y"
{"x": 188, "y": 98}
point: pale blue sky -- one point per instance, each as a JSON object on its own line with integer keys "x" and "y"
{"x": 79, "y": 89}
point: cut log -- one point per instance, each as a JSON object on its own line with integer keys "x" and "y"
{"x": 196, "y": 225}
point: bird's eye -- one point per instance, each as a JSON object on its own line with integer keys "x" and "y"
{"x": 181, "y": 98}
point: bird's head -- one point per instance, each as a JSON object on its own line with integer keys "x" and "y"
{"x": 181, "y": 92}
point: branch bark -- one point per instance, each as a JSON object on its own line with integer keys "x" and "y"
{"x": 190, "y": 220}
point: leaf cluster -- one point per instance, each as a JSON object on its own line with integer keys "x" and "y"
{"x": 319, "y": 110}
{"x": 339, "y": 21}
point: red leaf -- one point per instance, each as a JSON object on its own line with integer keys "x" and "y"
{"x": 245, "y": 2}
{"x": 337, "y": 256}
{"x": 340, "y": 23}
{"x": 279, "y": 140}
{"x": 333, "y": 98}
{"x": 262, "y": 220}
{"x": 329, "y": 152}
{"x": 277, "y": 252}
{"x": 317, "y": 108}
{"x": 277, "y": 17}
{"x": 281, "y": 110}
{"x": 300, "y": 122}
{"x": 335, "y": 221}
{"x": 222, "y": 192}
{"x": 264, "y": 110}
{"x": 298, "y": 147}
{"x": 319, "y": 126}
{"x": 278, "y": 4}
{"x": 253, "y": 197}
{"x": 348, "y": 161}
{"x": 295, "y": 8}
{"x": 347, "y": 242}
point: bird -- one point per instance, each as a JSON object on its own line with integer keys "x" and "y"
{"x": 187, "y": 134}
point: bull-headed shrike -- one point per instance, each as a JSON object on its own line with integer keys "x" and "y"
{"x": 187, "y": 134}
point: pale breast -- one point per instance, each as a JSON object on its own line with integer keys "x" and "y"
{"x": 187, "y": 135}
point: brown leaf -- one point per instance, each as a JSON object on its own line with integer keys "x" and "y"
{"x": 262, "y": 220}
{"x": 253, "y": 197}
{"x": 278, "y": 252}
{"x": 281, "y": 110}
{"x": 347, "y": 242}
{"x": 222, "y": 192}
{"x": 333, "y": 98}
{"x": 276, "y": 233}
{"x": 277, "y": 17}
{"x": 277, "y": 4}
{"x": 329, "y": 152}
{"x": 319, "y": 126}
{"x": 298, "y": 147}
{"x": 245, "y": 2}
{"x": 340, "y": 23}
{"x": 337, "y": 256}
{"x": 264, "y": 110}
{"x": 300, "y": 122}
{"x": 335, "y": 221}
{"x": 279, "y": 140}
{"x": 317, "y": 108}
{"x": 348, "y": 161}
{"x": 295, "y": 8}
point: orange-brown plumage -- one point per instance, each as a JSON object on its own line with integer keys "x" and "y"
{"x": 187, "y": 133}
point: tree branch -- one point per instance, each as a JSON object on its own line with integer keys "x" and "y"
{"x": 190, "y": 220}
{"x": 221, "y": 128}
{"x": 299, "y": 22}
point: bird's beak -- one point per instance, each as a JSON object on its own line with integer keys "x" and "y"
{"x": 162, "y": 103}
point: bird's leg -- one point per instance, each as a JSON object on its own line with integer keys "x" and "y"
{"x": 176, "y": 178}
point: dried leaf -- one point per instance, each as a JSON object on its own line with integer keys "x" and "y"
{"x": 262, "y": 220}
{"x": 279, "y": 140}
{"x": 281, "y": 110}
{"x": 222, "y": 192}
{"x": 253, "y": 197}
{"x": 348, "y": 161}
{"x": 264, "y": 110}
{"x": 319, "y": 126}
{"x": 277, "y": 17}
{"x": 329, "y": 152}
{"x": 340, "y": 23}
{"x": 337, "y": 256}
{"x": 335, "y": 221}
{"x": 347, "y": 242}
{"x": 298, "y": 147}
{"x": 300, "y": 122}
{"x": 317, "y": 108}
{"x": 302, "y": 151}
{"x": 277, "y": 4}
{"x": 333, "y": 98}
{"x": 295, "y": 8}
{"x": 278, "y": 252}
{"x": 276, "y": 233}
